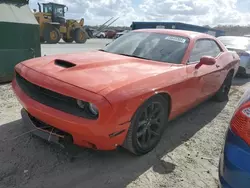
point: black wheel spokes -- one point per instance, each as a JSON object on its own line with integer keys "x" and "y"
{"x": 149, "y": 125}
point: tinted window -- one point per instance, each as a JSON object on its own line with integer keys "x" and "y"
{"x": 59, "y": 11}
{"x": 216, "y": 49}
{"x": 152, "y": 46}
{"x": 204, "y": 47}
{"x": 47, "y": 8}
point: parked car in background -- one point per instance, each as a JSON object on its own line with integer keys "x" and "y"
{"x": 110, "y": 34}
{"x": 121, "y": 33}
{"x": 234, "y": 165}
{"x": 241, "y": 45}
{"x": 99, "y": 34}
{"x": 126, "y": 93}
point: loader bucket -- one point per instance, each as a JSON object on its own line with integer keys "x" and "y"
{"x": 20, "y": 39}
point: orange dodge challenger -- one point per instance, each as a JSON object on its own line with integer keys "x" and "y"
{"x": 124, "y": 94}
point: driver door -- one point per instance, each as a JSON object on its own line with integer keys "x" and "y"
{"x": 207, "y": 77}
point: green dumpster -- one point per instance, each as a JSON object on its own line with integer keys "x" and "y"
{"x": 19, "y": 36}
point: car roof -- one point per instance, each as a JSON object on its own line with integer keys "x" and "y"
{"x": 183, "y": 33}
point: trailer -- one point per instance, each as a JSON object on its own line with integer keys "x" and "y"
{"x": 176, "y": 25}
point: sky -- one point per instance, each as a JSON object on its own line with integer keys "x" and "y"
{"x": 200, "y": 12}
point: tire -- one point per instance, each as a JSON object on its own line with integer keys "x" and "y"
{"x": 141, "y": 128}
{"x": 101, "y": 36}
{"x": 222, "y": 93}
{"x": 51, "y": 34}
{"x": 80, "y": 36}
{"x": 245, "y": 75}
{"x": 70, "y": 40}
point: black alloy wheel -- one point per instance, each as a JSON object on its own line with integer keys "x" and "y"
{"x": 147, "y": 126}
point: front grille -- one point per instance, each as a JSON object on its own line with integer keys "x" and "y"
{"x": 51, "y": 98}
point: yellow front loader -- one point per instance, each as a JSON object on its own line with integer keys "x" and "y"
{"x": 54, "y": 26}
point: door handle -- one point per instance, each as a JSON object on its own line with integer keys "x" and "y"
{"x": 217, "y": 66}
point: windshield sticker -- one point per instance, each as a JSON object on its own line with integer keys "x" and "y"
{"x": 176, "y": 39}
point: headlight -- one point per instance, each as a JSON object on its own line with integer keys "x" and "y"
{"x": 93, "y": 109}
{"x": 81, "y": 104}
{"x": 88, "y": 108}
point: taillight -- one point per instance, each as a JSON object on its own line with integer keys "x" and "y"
{"x": 240, "y": 123}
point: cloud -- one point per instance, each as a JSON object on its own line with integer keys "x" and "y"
{"x": 202, "y": 12}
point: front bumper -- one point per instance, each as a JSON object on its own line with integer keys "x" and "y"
{"x": 96, "y": 134}
{"x": 43, "y": 132}
{"x": 234, "y": 165}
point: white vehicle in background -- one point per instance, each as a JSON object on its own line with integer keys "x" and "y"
{"x": 121, "y": 33}
{"x": 99, "y": 34}
{"x": 241, "y": 45}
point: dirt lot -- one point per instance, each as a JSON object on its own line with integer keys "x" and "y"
{"x": 187, "y": 155}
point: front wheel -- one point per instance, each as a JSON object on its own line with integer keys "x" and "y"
{"x": 51, "y": 34}
{"x": 80, "y": 36}
{"x": 147, "y": 126}
{"x": 222, "y": 94}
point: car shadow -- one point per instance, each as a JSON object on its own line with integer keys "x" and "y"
{"x": 27, "y": 161}
{"x": 239, "y": 81}
{"x": 5, "y": 83}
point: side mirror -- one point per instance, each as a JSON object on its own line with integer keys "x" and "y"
{"x": 34, "y": 10}
{"x": 107, "y": 44}
{"x": 205, "y": 60}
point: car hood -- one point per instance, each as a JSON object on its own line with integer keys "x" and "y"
{"x": 95, "y": 71}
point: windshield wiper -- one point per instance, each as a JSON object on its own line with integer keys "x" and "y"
{"x": 133, "y": 56}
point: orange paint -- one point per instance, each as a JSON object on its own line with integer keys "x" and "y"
{"x": 118, "y": 85}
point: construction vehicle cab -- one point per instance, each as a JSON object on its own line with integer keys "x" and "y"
{"x": 57, "y": 11}
{"x": 54, "y": 26}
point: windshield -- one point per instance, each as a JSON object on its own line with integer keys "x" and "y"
{"x": 47, "y": 8}
{"x": 59, "y": 11}
{"x": 152, "y": 46}
{"x": 236, "y": 42}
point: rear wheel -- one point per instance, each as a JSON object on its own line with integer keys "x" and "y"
{"x": 245, "y": 75}
{"x": 222, "y": 94}
{"x": 147, "y": 126}
{"x": 80, "y": 36}
{"x": 51, "y": 34}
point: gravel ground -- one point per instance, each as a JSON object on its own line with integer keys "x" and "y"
{"x": 187, "y": 155}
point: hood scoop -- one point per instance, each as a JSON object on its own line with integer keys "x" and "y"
{"x": 63, "y": 63}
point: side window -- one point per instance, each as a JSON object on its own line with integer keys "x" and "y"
{"x": 204, "y": 47}
{"x": 200, "y": 49}
{"x": 216, "y": 49}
